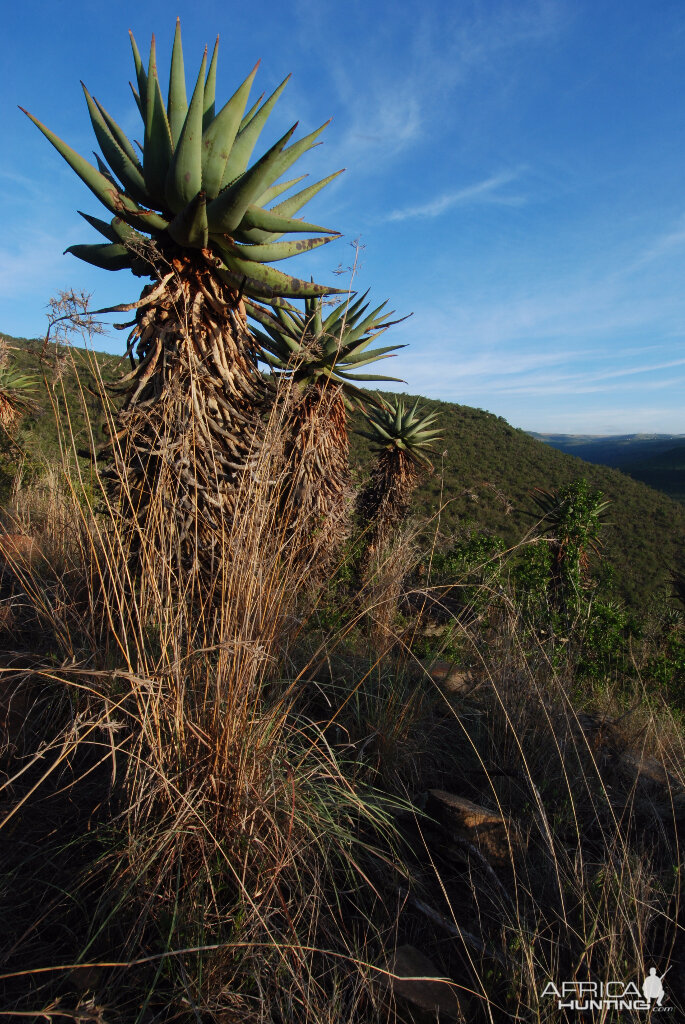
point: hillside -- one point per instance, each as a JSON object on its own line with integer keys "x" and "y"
{"x": 656, "y": 459}
{"x": 490, "y": 468}
{"x": 483, "y": 480}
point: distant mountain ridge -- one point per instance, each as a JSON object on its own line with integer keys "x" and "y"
{"x": 656, "y": 459}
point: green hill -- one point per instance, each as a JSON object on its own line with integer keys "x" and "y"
{"x": 482, "y": 483}
{"x": 489, "y": 469}
{"x": 665, "y": 472}
{"x": 656, "y": 459}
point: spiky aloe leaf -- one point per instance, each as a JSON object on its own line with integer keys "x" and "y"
{"x": 189, "y": 227}
{"x": 120, "y": 137}
{"x": 210, "y": 89}
{"x": 128, "y": 172}
{"x": 184, "y": 177}
{"x": 97, "y": 182}
{"x": 247, "y": 137}
{"x": 230, "y": 206}
{"x": 157, "y": 147}
{"x": 177, "y": 102}
{"x": 275, "y": 251}
{"x": 264, "y": 281}
{"x": 108, "y": 257}
{"x": 219, "y": 136}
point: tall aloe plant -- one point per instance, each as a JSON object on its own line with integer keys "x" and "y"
{"x": 402, "y": 438}
{"x": 320, "y": 358}
{"x": 194, "y": 214}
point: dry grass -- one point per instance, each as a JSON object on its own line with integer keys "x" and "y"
{"x": 213, "y": 802}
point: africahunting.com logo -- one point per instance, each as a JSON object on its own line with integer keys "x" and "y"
{"x": 610, "y": 995}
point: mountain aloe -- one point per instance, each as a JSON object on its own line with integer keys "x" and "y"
{"x": 193, "y": 214}
{"x": 402, "y": 439}
{"x": 572, "y": 519}
{"x": 319, "y": 357}
{"x": 16, "y": 391}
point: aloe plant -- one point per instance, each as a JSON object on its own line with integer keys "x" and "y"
{"x": 402, "y": 438}
{"x": 194, "y": 214}
{"x": 320, "y": 357}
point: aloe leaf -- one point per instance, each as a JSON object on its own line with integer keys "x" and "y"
{"x": 125, "y": 170}
{"x": 377, "y": 353}
{"x": 157, "y": 146}
{"x": 246, "y": 139}
{"x": 141, "y": 77}
{"x": 253, "y": 289}
{"x": 366, "y": 376}
{"x": 107, "y": 257}
{"x": 276, "y": 190}
{"x": 184, "y": 179}
{"x": 189, "y": 227}
{"x": 101, "y": 186}
{"x": 218, "y": 137}
{"x": 120, "y": 137}
{"x": 177, "y": 102}
{"x": 290, "y": 206}
{"x": 267, "y": 223}
{"x": 276, "y": 251}
{"x": 103, "y": 226}
{"x": 228, "y": 209}
{"x": 347, "y": 311}
{"x": 266, "y": 280}
{"x": 210, "y": 89}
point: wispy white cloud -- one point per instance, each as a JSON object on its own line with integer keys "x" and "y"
{"x": 37, "y": 257}
{"x": 391, "y": 124}
{"x": 397, "y": 88}
{"x": 664, "y": 245}
{"x": 486, "y": 191}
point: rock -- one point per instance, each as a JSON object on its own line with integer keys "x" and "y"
{"x": 418, "y": 982}
{"x": 649, "y": 769}
{"x": 485, "y": 829}
{"x": 450, "y": 678}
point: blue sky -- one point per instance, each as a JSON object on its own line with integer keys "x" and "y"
{"x": 515, "y": 178}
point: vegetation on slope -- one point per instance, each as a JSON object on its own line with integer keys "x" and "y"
{"x": 482, "y": 483}
{"x": 658, "y": 461}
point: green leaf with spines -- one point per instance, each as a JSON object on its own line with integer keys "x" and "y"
{"x": 254, "y": 289}
{"x": 102, "y": 187}
{"x": 275, "y": 251}
{"x": 184, "y": 178}
{"x": 267, "y": 221}
{"x": 295, "y": 203}
{"x": 189, "y": 227}
{"x": 365, "y": 376}
{"x": 210, "y": 89}
{"x": 276, "y": 190}
{"x": 265, "y": 280}
{"x": 110, "y": 256}
{"x": 177, "y": 101}
{"x": 218, "y": 137}
{"x": 141, "y": 77}
{"x": 126, "y": 171}
{"x": 116, "y": 230}
{"x": 120, "y": 137}
{"x": 227, "y": 211}
{"x": 246, "y": 139}
{"x": 157, "y": 146}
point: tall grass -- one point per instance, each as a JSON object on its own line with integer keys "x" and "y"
{"x": 215, "y": 796}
